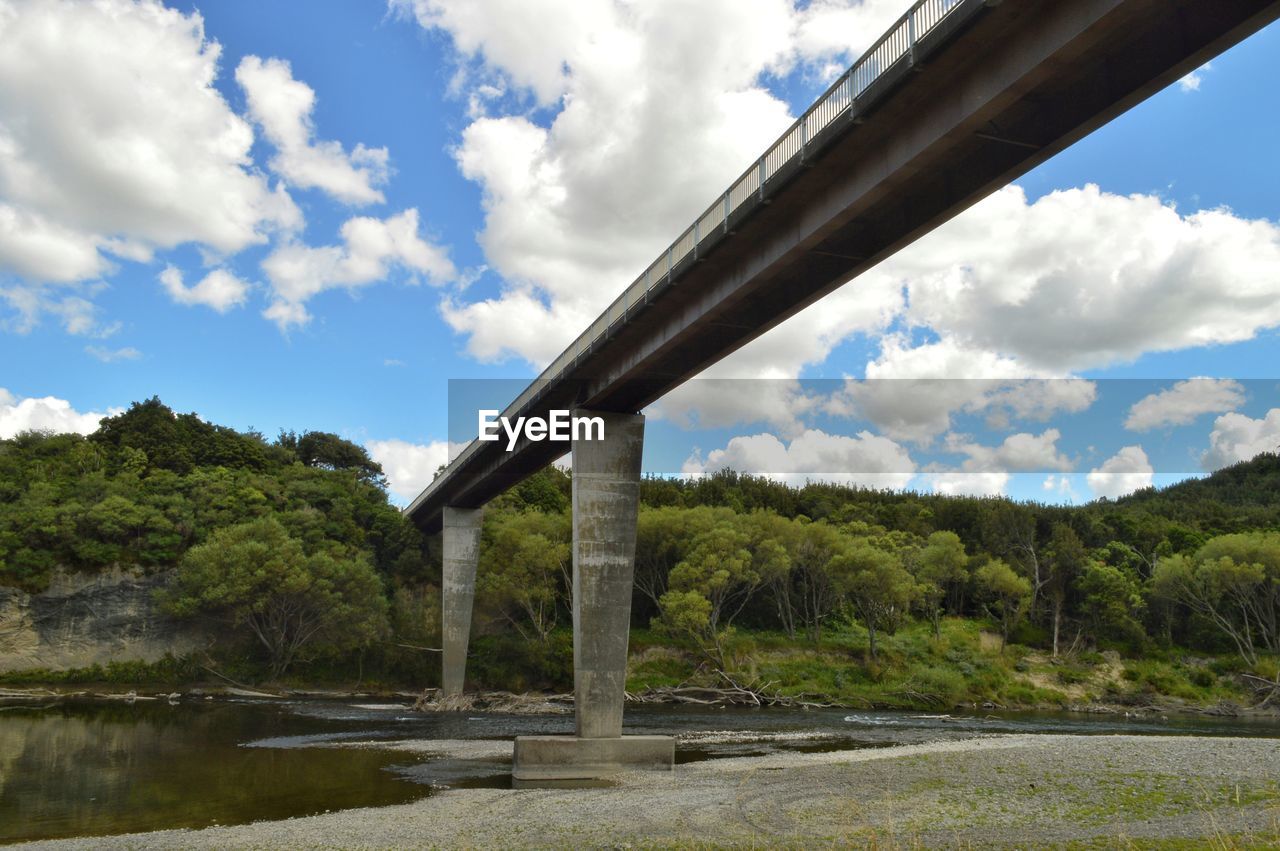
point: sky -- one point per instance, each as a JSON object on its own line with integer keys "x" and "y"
{"x": 315, "y": 216}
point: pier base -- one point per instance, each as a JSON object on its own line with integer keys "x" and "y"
{"x": 551, "y": 758}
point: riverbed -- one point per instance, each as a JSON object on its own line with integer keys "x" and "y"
{"x": 94, "y": 769}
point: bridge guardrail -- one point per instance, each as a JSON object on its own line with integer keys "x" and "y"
{"x": 839, "y": 99}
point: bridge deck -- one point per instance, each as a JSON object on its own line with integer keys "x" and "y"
{"x": 958, "y": 99}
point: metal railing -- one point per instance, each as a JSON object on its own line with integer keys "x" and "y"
{"x": 898, "y": 43}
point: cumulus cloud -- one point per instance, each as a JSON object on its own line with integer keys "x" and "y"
{"x": 1018, "y": 453}
{"x": 651, "y": 120}
{"x": 1083, "y": 278}
{"x": 409, "y": 467}
{"x": 723, "y": 402}
{"x": 1184, "y": 402}
{"x": 219, "y": 289}
{"x": 1236, "y": 437}
{"x": 864, "y": 459}
{"x": 1123, "y": 473}
{"x": 45, "y": 414}
{"x": 371, "y": 250}
{"x": 961, "y": 483}
{"x": 282, "y": 107}
{"x": 912, "y": 392}
{"x": 114, "y": 141}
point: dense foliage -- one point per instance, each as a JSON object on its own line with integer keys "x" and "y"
{"x": 152, "y": 490}
{"x": 1195, "y": 566}
{"x": 293, "y": 543}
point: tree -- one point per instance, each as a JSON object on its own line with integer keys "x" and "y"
{"x": 1065, "y": 558}
{"x": 875, "y": 585}
{"x": 663, "y": 536}
{"x": 1233, "y": 581}
{"x": 942, "y": 570}
{"x": 525, "y": 569}
{"x": 1008, "y": 595}
{"x": 724, "y": 569}
{"x": 1010, "y": 530}
{"x": 256, "y": 576}
{"x": 329, "y": 452}
{"x": 1113, "y": 602}
{"x": 812, "y": 547}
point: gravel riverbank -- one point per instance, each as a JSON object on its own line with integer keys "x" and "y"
{"x": 1014, "y": 791}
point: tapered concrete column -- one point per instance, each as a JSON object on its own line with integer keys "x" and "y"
{"x": 461, "y": 554}
{"x": 606, "y": 500}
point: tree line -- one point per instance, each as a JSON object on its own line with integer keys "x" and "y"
{"x": 293, "y": 543}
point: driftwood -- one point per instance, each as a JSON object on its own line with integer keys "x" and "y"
{"x": 731, "y": 694}
{"x": 493, "y": 701}
{"x": 1264, "y": 689}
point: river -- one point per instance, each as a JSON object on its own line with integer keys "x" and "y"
{"x": 95, "y": 768}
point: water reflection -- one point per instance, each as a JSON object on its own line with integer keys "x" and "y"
{"x": 86, "y": 769}
{"x": 95, "y": 768}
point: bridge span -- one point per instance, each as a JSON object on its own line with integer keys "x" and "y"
{"x": 959, "y": 98}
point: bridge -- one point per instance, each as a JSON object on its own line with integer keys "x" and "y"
{"x": 956, "y": 100}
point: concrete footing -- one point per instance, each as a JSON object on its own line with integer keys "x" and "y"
{"x": 544, "y": 758}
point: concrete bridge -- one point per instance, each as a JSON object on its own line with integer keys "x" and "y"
{"x": 959, "y": 98}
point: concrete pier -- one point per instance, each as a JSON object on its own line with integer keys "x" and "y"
{"x": 606, "y": 503}
{"x": 461, "y": 554}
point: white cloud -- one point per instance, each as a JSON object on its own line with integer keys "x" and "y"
{"x": 112, "y": 355}
{"x": 114, "y": 141}
{"x": 219, "y": 289}
{"x": 1123, "y": 473}
{"x": 651, "y": 121}
{"x": 1184, "y": 402}
{"x": 1191, "y": 82}
{"x": 721, "y": 402}
{"x": 46, "y": 414}
{"x": 282, "y": 106}
{"x": 1060, "y": 485}
{"x": 1082, "y": 278}
{"x": 1236, "y": 437}
{"x": 409, "y": 467}
{"x": 68, "y": 304}
{"x": 960, "y": 483}
{"x": 912, "y": 392}
{"x": 865, "y": 459}
{"x": 1018, "y": 453}
{"x": 372, "y": 249}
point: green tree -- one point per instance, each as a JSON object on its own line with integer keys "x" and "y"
{"x": 329, "y": 452}
{"x": 1233, "y": 581}
{"x": 525, "y": 569}
{"x": 876, "y": 586}
{"x": 256, "y": 576}
{"x": 1007, "y": 595}
{"x": 812, "y": 547}
{"x": 1113, "y": 603}
{"x": 942, "y": 571}
{"x": 1065, "y": 558}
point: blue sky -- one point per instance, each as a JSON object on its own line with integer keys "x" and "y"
{"x": 470, "y": 182}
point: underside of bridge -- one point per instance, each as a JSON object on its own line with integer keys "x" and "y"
{"x": 992, "y": 90}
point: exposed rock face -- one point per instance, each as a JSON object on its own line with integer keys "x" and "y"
{"x": 86, "y": 619}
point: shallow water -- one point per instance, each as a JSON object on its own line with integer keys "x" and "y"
{"x": 75, "y": 769}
